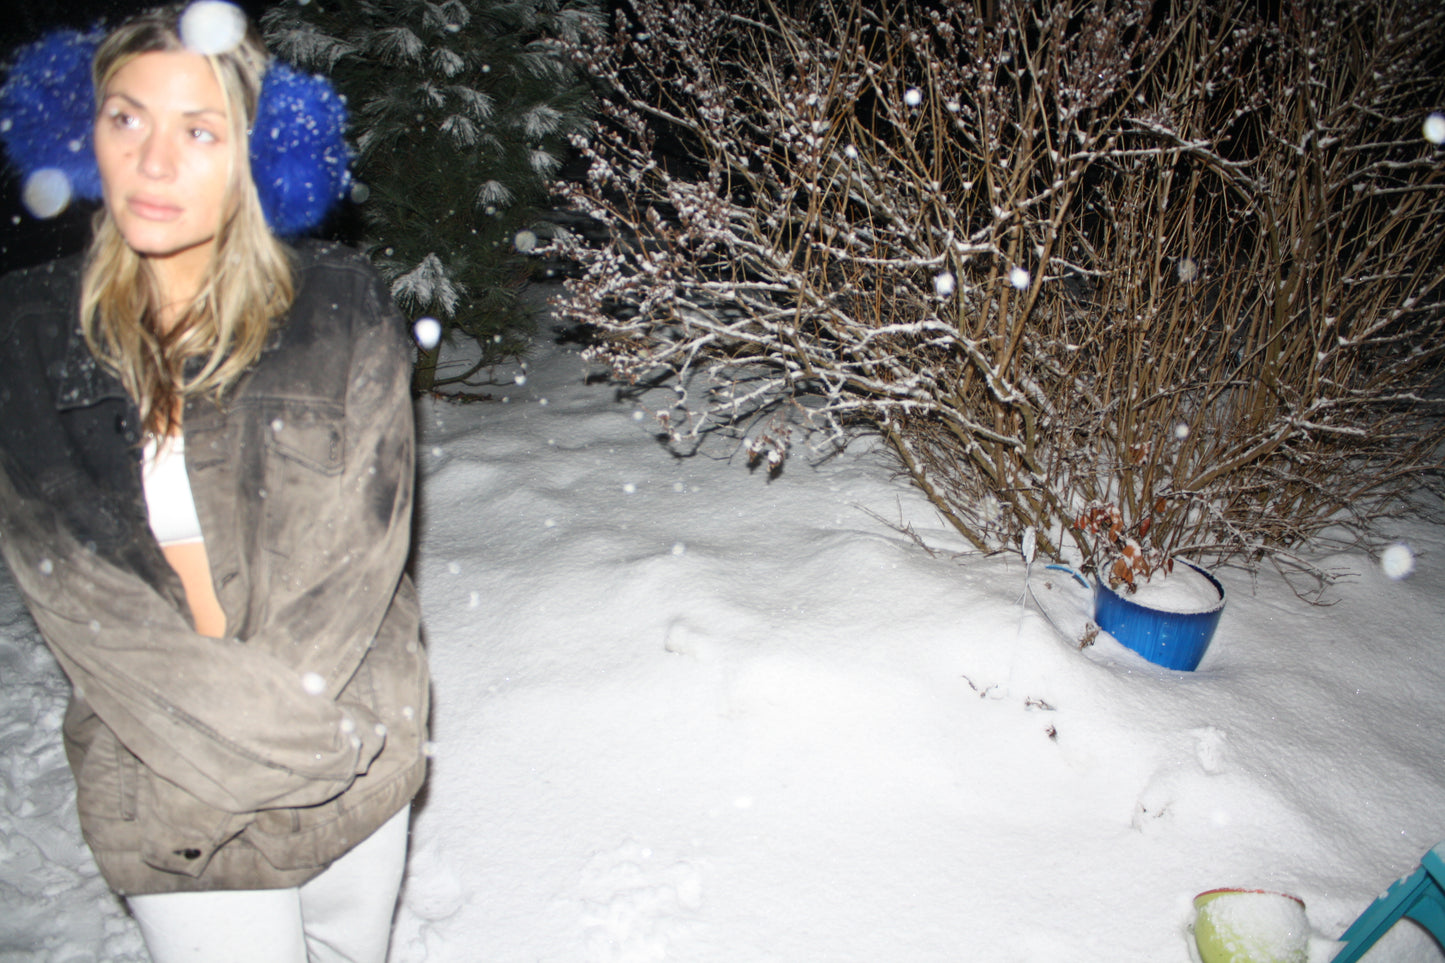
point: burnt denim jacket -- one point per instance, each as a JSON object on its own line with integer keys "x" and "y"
{"x": 255, "y": 760}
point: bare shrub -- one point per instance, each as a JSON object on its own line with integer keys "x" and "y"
{"x": 1071, "y": 261}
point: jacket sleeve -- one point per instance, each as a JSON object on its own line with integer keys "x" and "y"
{"x": 243, "y": 726}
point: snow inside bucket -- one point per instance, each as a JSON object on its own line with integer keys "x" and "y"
{"x": 1168, "y": 621}
{"x": 1250, "y": 926}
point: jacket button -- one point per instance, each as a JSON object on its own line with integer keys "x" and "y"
{"x": 188, "y": 853}
{"x": 125, "y": 430}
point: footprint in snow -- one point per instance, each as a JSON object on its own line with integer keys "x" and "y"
{"x": 637, "y": 905}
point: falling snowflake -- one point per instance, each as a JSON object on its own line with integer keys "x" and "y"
{"x": 1397, "y": 561}
{"x": 525, "y": 241}
{"x": 1181, "y": 431}
{"x": 1187, "y": 270}
{"x": 1434, "y": 129}
{"x": 428, "y": 332}
{"x": 46, "y": 192}
{"x": 211, "y": 27}
{"x": 943, "y": 284}
{"x": 313, "y": 684}
{"x": 913, "y": 97}
{"x": 1019, "y": 278}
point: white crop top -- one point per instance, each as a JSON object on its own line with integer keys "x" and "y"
{"x": 168, "y": 492}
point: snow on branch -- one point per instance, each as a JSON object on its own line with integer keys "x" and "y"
{"x": 427, "y": 286}
{"x": 1055, "y": 261}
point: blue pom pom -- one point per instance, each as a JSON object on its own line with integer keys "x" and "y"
{"x": 47, "y": 109}
{"x": 299, "y": 158}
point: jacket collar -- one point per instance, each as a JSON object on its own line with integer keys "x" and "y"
{"x": 81, "y": 381}
{"x": 78, "y": 379}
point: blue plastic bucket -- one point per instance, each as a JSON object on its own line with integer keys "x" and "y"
{"x": 1175, "y": 640}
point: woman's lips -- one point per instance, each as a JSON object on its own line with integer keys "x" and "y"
{"x": 153, "y": 209}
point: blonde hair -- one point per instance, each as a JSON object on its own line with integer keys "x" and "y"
{"x": 248, "y": 283}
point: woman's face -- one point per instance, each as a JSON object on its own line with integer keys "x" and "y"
{"x": 163, "y": 143}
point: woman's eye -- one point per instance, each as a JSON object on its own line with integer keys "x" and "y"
{"x": 202, "y": 136}
{"x": 122, "y": 120}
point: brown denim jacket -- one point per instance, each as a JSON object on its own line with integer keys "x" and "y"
{"x": 252, "y": 761}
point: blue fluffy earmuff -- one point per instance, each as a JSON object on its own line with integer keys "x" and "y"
{"x": 299, "y": 157}
{"x": 47, "y": 109}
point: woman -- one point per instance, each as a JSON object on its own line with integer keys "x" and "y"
{"x": 206, "y": 462}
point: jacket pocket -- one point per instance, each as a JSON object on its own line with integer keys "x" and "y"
{"x": 304, "y": 445}
{"x": 311, "y": 435}
{"x": 106, "y": 777}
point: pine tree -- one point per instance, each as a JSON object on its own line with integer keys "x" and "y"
{"x": 460, "y": 113}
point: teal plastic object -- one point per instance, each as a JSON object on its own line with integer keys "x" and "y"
{"x": 1175, "y": 640}
{"x": 1419, "y": 896}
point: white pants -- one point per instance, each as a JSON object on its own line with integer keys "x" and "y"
{"x": 342, "y": 916}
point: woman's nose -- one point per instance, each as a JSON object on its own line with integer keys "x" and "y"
{"x": 157, "y": 156}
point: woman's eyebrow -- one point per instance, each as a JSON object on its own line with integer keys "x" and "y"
{"x": 193, "y": 112}
{"x": 123, "y": 96}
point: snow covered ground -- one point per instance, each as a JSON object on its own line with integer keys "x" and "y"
{"x": 687, "y": 713}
